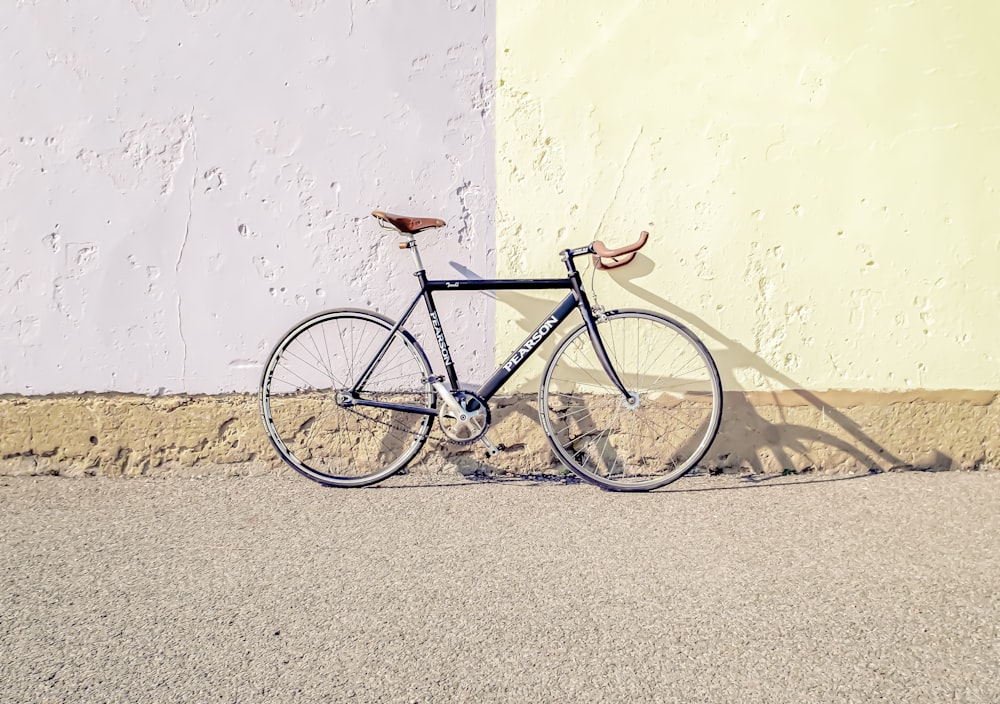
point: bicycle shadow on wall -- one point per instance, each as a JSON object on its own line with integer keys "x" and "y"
{"x": 747, "y": 439}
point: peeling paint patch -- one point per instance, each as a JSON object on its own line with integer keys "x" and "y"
{"x": 141, "y": 7}
{"x": 52, "y": 241}
{"x": 150, "y": 154}
{"x": 199, "y": 7}
{"x": 83, "y": 258}
{"x": 9, "y": 167}
{"x": 306, "y": 6}
{"x": 213, "y": 180}
{"x": 266, "y": 270}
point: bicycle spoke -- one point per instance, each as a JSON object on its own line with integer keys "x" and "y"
{"x": 322, "y": 372}
{"x": 323, "y": 362}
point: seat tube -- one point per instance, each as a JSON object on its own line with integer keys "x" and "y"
{"x": 449, "y": 364}
{"x": 409, "y": 242}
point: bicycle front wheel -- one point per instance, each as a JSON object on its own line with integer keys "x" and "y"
{"x": 658, "y": 436}
{"x": 326, "y": 440}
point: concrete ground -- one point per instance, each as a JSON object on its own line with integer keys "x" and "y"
{"x": 440, "y": 588}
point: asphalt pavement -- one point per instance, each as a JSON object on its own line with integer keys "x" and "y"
{"x": 442, "y": 588}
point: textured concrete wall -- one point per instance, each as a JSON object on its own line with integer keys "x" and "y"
{"x": 181, "y": 181}
{"x": 840, "y": 432}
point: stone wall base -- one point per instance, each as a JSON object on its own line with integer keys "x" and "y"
{"x": 787, "y": 431}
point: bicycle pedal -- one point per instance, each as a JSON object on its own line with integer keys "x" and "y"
{"x": 492, "y": 449}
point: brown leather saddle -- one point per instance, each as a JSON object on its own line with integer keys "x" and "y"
{"x": 407, "y": 223}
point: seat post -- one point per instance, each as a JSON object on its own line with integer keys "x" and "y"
{"x": 410, "y": 242}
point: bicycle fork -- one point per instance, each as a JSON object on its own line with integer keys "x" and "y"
{"x": 631, "y": 400}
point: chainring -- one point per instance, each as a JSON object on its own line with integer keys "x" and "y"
{"x": 469, "y": 426}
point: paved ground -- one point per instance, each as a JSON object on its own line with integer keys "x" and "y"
{"x": 439, "y": 588}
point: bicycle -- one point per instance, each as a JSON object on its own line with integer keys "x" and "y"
{"x": 630, "y": 399}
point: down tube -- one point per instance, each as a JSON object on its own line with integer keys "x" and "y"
{"x": 527, "y": 348}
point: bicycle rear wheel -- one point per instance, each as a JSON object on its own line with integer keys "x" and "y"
{"x": 335, "y": 444}
{"x": 637, "y": 446}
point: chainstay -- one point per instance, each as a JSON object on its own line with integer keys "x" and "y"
{"x": 435, "y": 435}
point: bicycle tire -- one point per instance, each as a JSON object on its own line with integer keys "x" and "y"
{"x": 330, "y": 443}
{"x": 592, "y": 429}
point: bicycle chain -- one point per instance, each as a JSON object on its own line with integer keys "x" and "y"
{"x": 435, "y": 435}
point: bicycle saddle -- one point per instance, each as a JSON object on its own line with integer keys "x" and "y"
{"x": 407, "y": 223}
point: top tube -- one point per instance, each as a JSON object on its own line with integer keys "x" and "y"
{"x": 497, "y": 284}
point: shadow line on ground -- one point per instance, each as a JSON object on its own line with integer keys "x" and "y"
{"x": 529, "y": 480}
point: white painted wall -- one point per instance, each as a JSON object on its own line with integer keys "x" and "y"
{"x": 180, "y": 181}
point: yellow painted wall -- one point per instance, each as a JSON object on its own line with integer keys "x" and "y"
{"x": 820, "y": 179}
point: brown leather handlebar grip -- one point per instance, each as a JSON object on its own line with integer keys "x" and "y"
{"x": 601, "y": 250}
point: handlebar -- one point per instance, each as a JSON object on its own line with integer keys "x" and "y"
{"x": 601, "y": 251}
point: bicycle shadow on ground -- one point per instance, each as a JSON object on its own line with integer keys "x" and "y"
{"x": 694, "y": 482}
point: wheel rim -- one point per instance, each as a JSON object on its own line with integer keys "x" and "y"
{"x": 326, "y": 440}
{"x": 639, "y": 443}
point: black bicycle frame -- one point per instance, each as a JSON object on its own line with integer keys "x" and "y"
{"x": 576, "y": 298}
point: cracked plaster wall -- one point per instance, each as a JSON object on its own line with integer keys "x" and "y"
{"x": 181, "y": 181}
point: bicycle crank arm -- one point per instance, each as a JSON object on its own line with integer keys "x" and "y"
{"x": 449, "y": 399}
